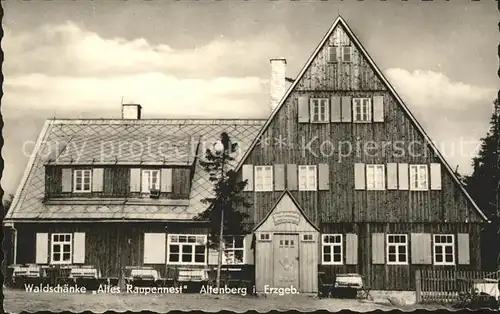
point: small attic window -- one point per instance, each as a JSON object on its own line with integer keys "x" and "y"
{"x": 339, "y": 54}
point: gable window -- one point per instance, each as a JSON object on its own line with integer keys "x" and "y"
{"x": 61, "y": 248}
{"x": 418, "y": 178}
{"x": 397, "y": 249}
{"x": 307, "y": 237}
{"x": 265, "y": 237}
{"x": 339, "y": 53}
{"x": 263, "y": 178}
{"x": 82, "y": 179}
{"x": 150, "y": 180}
{"x": 307, "y": 178}
{"x": 444, "y": 249}
{"x": 375, "y": 177}
{"x": 319, "y": 110}
{"x": 186, "y": 249}
{"x": 362, "y": 109}
{"x": 234, "y": 250}
{"x": 331, "y": 249}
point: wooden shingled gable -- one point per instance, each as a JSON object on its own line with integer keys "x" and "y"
{"x": 377, "y": 81}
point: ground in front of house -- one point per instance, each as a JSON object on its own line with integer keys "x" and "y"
{"x": 16, "y": 301}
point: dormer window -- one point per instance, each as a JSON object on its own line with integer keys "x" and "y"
{"x": 82, "y": 180}
{"x": 150, "y": 180}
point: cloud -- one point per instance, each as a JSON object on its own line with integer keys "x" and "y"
{"x": 454, "y": 114}
{"x": 68, "y": 49}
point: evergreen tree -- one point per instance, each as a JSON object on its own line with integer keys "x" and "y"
{"x": 227, "y": 200}
{"x": 482, "y": 185}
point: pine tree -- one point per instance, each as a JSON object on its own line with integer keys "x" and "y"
{"x": 482, "y": 185}
{"x": 227, "y": 200}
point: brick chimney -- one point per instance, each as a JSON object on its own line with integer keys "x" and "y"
{"x": 131, "y": 111}
{"x": 278, "y": 83}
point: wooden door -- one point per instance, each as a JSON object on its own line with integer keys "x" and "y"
{"x": 286, "y": 260}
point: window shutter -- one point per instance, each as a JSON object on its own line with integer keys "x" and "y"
{"x": 279, "y": 177}
{"x": 42, "y": 248}
{"x": 303, "y": 112}
{"x": 291, "y": 177}
{"x": 346, "y": 109}
{"x": 359, "y": 176}
{"x": 154, "y": 248}
{"x": 213, "y": 257}
{"x": 421, "y": 252}
{"x": 378, "y": 248}
{"x": 392, "y": 176}
{"x": 166, "y": 180}
{"x": 67, "y": 179}
{"x": 335, "y": 109}
{"x": 247, "y": 174}
{"x": 435, "y": 176}
{"x": 247, "y": 242}
{"x": 378, "y": 108}
{"x": 403, "y": 179}
{"x": 97, "y": 179}
{"x": 351, "y": 257}
{"x": 463, "y": 249}
{"x": 79, "y": 247}
{"x": 323, "y": 177}
{"x": 135, "y": 180}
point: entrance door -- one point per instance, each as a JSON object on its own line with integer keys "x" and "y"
{"x": 286, "y": 260}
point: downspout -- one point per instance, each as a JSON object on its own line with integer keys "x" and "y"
{"x": 14, "y": 233}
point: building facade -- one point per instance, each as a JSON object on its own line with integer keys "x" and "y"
{"x": 341, "y": 178}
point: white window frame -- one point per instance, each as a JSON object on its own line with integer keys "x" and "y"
{"x": 228, "y": 248}
{"x": 80, "y": 173}
{"x": 264, "y": 182}
{"x": 332, "y": 245}
{"x": 61, "y": 244}
{"x": 149, "y": 172}
{"x": 375, "y": 177}
{"x": 443, "y": 249}
{"x": 175, "y": 239}
{"x": 398, "y": 246}
{"x": 342, "y": 53}
{"x": 419, "y": 177}
{"x": 320, "y": 103}
{"x": 363, "y": 102}
{"x": 308, "y": 178}
{"x": 339, "y": 52}
{"x": 265, "y": 237}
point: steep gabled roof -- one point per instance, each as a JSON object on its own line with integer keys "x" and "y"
{"x": 81, "y": 145}
{"x": 341, "y": 21}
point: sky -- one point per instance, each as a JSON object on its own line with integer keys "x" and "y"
{"x": 181, "y": 59}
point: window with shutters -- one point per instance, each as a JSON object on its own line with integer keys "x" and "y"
{"x": 307, "y": 178}
{"x": 61, "y": 248}
{"x": 234, "y": 249}
{"x": 319, "y": 110}
{"x": 397, "y": 249}
{"x": 339, "y": 53}
{"x": 331, "y": 249}
{"x": 419, "y": 178}
{"x": 362, "y": 109}
{"x": 263, "y": 178}
{"x": 82, "y": 180}
{"x": 186, "y": 249}
{"x": 444, "y": 249}
{"x": 150, "y": 180}
{"x": 375, "y": 177}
